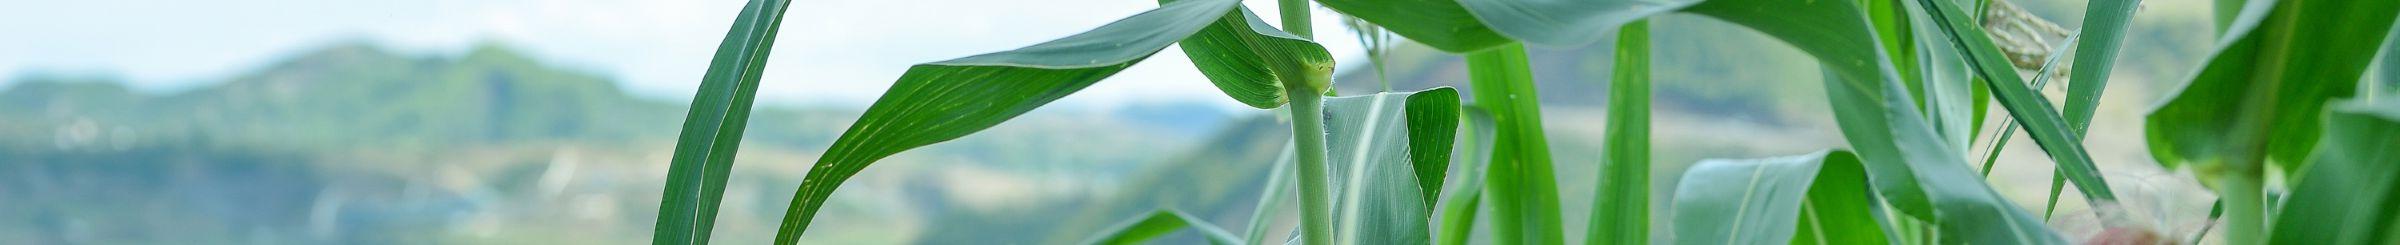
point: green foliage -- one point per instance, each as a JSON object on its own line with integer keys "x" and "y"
{"x": 2261, "y": 96}
{"x": 2025, "y": 104}
{"x": 1459, "y": 210}
{"x": 2348, "y": 194}
{"x": 1822, "y": 197}
{"x": 713, "y": 129}
{"x": 1159, "y": 223}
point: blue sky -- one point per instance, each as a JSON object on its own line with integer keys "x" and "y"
{"x": 830, "y": 52}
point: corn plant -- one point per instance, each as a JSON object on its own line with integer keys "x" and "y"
{"x": 1908, "y": 81}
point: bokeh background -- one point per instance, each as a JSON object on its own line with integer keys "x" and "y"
{"x": 552, "y": 121}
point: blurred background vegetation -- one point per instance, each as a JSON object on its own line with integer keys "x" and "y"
{"x": 353, "y": 142}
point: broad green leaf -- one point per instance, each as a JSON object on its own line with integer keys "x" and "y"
{"x": 1442, "y": 24}
{"x": 1823, "y": 197}
{"x": 712, "y": 130}
{"x": 1155, "y": 224}
{"x": 1522, "y": 185}
{"x": 2262, "y": 95}
{"x": 1621, "y": 212}
{"x": 940, "y": 101}
{"x": 2351, "y": 192}
{"x": 1458, "y": 211}
{"x": 2024, "y": 104}
{"x": 1369, "y": 137}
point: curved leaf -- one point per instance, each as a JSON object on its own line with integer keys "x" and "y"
{"x": 1522, "y": 184}
{"x": 712, "y": 130}
{"x": 2351, "y": 192}
{"x": 1248, "y": 59}
{"x": 940, "y": 101}
{"x": 2261, "y": 96}
{"x": 1382, "y": 202}
{"x": 1820, "y": 196}
{"x": 1140, "y": 229}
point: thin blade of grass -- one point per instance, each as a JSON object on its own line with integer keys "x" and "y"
{"x": 712, "y": 129}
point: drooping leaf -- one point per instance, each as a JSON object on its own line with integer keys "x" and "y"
{"x": 712, "y": 130}
{"x": 1823, "y": 197}
{"x": 1520, "y": 181}
{"x": 2261, "y": 96}
{"x": 2351, "y": 192}
{"x": 1379, "y": 146}
{"x": 1458, "y": 210}
{"x": 1247, "y": 58}
{"x": 1621, "y": 212}
{"x": 2024, "y": 104}
{"x": 1159, "y": 223}
{"x": 940, "y": 101}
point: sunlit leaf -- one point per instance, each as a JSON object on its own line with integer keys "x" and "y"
{"x": 1459, "y": 210}
{"x": 712, "y": 130}
{"x": 940, "y": 101}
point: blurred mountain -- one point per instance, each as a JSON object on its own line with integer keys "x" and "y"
{"x": 355, "y": 143}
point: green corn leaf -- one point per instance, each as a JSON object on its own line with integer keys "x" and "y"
{"x": 2261, "y": 96}
{"x": 1442, "y": 24}
{"x": 1458, "y": 210}
{"x": 1522, "y": 185}
{"x": 1907, "y": 161}
{"x": 1368, "y": 138}
{"x": 2027, "y": 106}
{"x": 1621, "y": 214}
{"x": 2351, "y": 192}
{"x": 712, "y": 130}
{"x": 1822, "y": 198}
{"x": 940, "y": 101}
{"x": 1159, "y": 223}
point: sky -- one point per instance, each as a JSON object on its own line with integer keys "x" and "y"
{"x": 839, "y": 53}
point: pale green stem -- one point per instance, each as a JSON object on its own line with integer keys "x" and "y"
{"x": 1308, "y": 135}
{"x": 2245, "y": 208}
